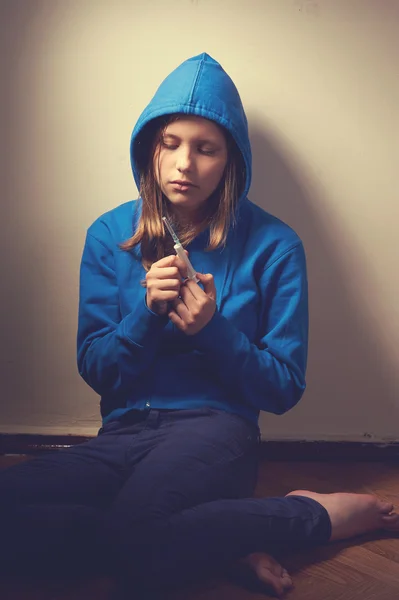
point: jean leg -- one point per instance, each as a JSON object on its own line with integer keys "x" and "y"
{"x": 208, "y": 538}
{"x": 199, "y": 456}
{"x": 52, "y": 507}
{"x": 182, "y": 514}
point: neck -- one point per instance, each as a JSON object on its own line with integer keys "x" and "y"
{"x": 187, "y": 219}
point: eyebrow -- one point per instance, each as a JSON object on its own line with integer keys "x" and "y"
{"x": 198, "y": 141}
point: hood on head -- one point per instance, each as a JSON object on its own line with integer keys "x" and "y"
{"x": 201, "y": 87}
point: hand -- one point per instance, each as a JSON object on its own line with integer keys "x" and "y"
{"x": 164, "y": 281}
{"x": 196, "y": 306}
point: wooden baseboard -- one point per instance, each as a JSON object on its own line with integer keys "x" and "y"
{"x": 329, "y": 451}
{"x": 273, "y": 450}
{"x": 27, "y": 443}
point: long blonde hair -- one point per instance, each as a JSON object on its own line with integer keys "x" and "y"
{"x": 220, "y": 209}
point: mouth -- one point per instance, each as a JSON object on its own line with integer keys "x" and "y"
{"x": 179, "y": 185}
{"x": 181, "y": 182}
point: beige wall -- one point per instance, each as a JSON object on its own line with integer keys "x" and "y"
{"x": 320, "y": 84}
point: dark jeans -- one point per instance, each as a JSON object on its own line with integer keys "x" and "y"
{"x": 161, "y": 496}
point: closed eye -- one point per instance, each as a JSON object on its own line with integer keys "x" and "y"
{"x": 207, "y": 152}
{"x": 169, "y": 146}
{"x": 200, "y": 149}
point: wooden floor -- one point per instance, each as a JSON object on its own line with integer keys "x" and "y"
{"x": 363, "y": 569}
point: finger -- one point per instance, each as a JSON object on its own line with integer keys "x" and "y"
{"x": 193, "y": 288}
{"x": 181, "y": 308}
{"x": 209, "y": 284}
{"x": 165, "y": 295}
{"x": 164, "y": 273}
{"x": 181, "y": 265}
{"x": 172, "y": 261}
{"x": 187, "y": 294}
{"x": 176, "y": 319}
{"x": 165, "y": 284}
{"x": 166, "y": 261}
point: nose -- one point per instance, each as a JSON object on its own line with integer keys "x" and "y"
{"x": 183, "y": 160}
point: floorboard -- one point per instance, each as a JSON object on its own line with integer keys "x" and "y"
{"x": 363, "y": 569}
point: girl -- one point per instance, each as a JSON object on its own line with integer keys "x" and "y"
{"x": 183, "y": 367}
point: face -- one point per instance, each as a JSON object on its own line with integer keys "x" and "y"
{"x": 189, "y": 163}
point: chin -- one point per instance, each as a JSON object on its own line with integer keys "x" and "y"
{"x": 182, "y": 200}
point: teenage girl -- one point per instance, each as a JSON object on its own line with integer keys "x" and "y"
{"x": 183, "y": 365}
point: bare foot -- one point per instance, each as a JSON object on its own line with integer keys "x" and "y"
{"x": 354, "y": 514}
{"x": 269, "y": 572}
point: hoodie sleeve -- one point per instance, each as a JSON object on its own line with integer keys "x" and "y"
{"x": 269, "y": 375}
{"x": 112, "y": 352}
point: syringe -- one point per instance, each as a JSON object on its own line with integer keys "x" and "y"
{"x": 191, "y": 273}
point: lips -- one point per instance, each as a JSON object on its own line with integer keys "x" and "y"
{"x": 183, "y": 183}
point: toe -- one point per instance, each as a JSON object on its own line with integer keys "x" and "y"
{"x": 272, "y": 581}
{"x": 390, "y": 517}
{"x": 390, "y": 521}
{"x": 269, "y": 572}
{"x": 279, "y": 588}
{"x": 287, "y": 582}
{"x": 386, "y": 507}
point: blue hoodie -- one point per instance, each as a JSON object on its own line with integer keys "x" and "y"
{"x": 252, "y": 355}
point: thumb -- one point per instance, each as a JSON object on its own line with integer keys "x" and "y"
{"x": 209, "y": 284}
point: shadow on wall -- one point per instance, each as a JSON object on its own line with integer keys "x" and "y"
{"x": 19, "y": 275}
{"x": 37, "y": 386}
{"x": 351, "y": 387}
